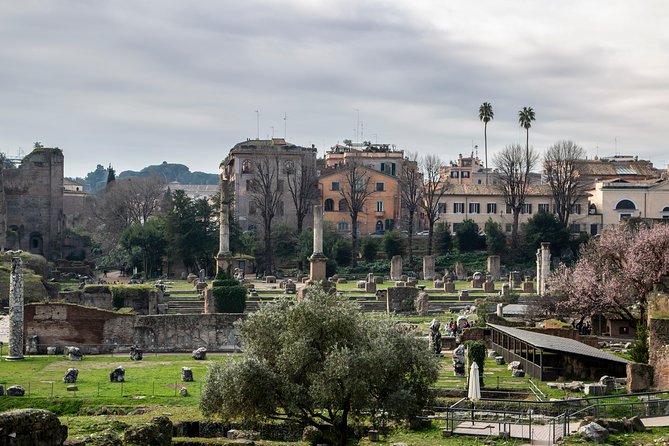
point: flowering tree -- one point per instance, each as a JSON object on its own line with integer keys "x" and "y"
{"x": 615, "y": 273}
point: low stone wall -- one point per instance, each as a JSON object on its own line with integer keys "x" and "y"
{"x": 143, "y": 301}
{"x": 31, "y": 427}
{"x": 91, "y": 329}
{"x": 101, "y": 331}
{"x": 186, "y": 332}
{"x": 102, "y": 301}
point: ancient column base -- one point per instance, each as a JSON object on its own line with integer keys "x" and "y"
{"x": 224, "y": 263}
{"x": 14, "y": 358}
{"x": 317, "y": 267}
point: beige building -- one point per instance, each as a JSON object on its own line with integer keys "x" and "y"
{"x": 615, "y": 200}
{"x": 240, "y": 166}
{"x": 479, "y": 202}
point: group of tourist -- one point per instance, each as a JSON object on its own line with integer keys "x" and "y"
{"x": 452, "y": 329}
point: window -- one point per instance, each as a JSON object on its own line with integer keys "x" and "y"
{"x": 379, "y": 187}
{"x": 544, "y": 207}
{"x": 343, "y": 206}
{"x": 252, "y": 208}
{"x": 625, "y": 205}
{"x": 478, "y": 181}
{"x": 279, "y": 208}
{"x": 474, "y": 208}
{"x": 342, "y": 226}
{"x": 508, "y": 209}
{"x": 465, "y": 174}
{"x": 392, "y": 169}
{"x": 526, "y": 209}
{"x": 335, "y": 185}
{"x": 279, "y": 185}
{"x": 329, "y": 205}
{"x": 441, "y": 208}
{"x": 458, "y": 208}
{"x": 456, "y": 226}
{"x": 289, "y": 167}
{"x": 383, "y": 167}
{"x": 625, "y": 215}
{"x": 390, "y": 224}
{"x": 379, "y": 206}
{"x": 623, "y": 330}
{"x": 576, "y": 208}
{"x": 454, "y": 174}
{"x": 252, "y": 185}
{"x": 492, "y": 208}
{"x": 593, "y": 229}
{"x": 360, "y": 185}
{"x": 247, "y": 166}
{"x": 575, "y": 228}
{"x": 508, "y": 227}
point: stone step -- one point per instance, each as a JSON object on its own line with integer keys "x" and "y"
{"x": 181, "y": 292}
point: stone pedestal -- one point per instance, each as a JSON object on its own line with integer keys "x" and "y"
{"x": 428, "y": 267}
{"x": 494, "y": 267}
{"x": 421, "y": 303}
{"x": 477, "y": 283}
{"x": 317, "y": 267}
{"x": 395, "y": 268}
{"x": 460, "y": 272}
{"x": 401, "y": 299}
{"x": 528, "y": 287}
{"x": 514, "y": 279}
{"x": 488, "y": 287}
{"x": 449, "y": 286}
{"x": 209, "y": 305}
{"x": 370, "y": 287}
{"x": 463, "y": 295}
{"x": 16, "y": 310}
{"x": 506, "y": 289}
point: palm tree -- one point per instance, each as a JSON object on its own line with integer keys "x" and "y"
{"x": 525, "y": 118}
{"x": 486, "y": 115}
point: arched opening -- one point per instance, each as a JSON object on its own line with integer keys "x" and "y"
{"x": 329, "y": 205}
{"x": 35, "y": 243}
{"x": 625, "y": 205}
{"x": 247, "y": 166}
{"x": 379, "y": 227}
{"x": 343, "y": 205}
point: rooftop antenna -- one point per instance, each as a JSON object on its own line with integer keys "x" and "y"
{"x": 357, "y": 125}
{"x": 362, "y": 131}
{"x": 285, "y": 120}
{"x": 615, "y": 142}
{"x": 257, "y": 124}
{"x": 272, "y": 127}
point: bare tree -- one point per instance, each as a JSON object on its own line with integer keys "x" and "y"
{"x": 411, "y": 192}
{"x": 560, "y": 162}
{"x": 265, "y": 194}
{"x": 124, "y": 202}
{"x": 433, "y": 191}
{"x": 303, "y": 188}
{"x": 355, "y": 191}
{"x": 514, "y": 165}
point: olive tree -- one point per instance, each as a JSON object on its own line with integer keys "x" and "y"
{"x": 320, "y": 362}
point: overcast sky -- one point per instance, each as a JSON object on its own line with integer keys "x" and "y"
{"x": 134, "y": 83}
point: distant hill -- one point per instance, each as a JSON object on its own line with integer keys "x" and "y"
{"x": 97, "y": 179}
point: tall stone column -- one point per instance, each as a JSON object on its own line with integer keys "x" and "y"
{"x": 545, "y": 265}
{"x": 318, "y": 260}
{"x": 539, "y": 272}
{"x": 16, "y": 310}
{"x": 224, "y": 256}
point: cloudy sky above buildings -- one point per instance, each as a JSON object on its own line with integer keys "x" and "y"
{"x": 133, "y": 83}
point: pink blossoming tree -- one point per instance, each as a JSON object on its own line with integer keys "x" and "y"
{"x": 614, "y": 273}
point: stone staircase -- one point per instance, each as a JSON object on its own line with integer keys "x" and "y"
{"x": 184, "y": 302}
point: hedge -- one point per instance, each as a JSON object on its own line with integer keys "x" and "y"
{"x": 229, "y": 299}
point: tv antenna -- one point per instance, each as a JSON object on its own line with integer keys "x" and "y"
{"x": 257, "y": 124}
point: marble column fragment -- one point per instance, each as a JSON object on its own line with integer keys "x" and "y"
{"x": 16, "y": 310}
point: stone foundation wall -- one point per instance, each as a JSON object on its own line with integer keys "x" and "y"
{"x": 658, "y": 353}
{"x": 91, "y": 329}
{"x": 186, "y": 332}
{"x": 101, "y": 331}
{"x": 102, "y": 297}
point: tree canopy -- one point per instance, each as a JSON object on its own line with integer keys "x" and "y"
{"x": 615, "y": 272}
{"x": 321, "y": 362}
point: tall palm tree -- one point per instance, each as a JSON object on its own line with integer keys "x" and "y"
{"x": 486, "y": 115}
{"x": 525, "y": 118}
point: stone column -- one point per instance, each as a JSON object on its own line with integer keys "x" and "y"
{"x": 545, "y": 265}
{"x": 539, "y": 272}
{"x": 224, "y": 256}
{"x": 16, "y": 310}
{"x": 317, "y": 260}
{"x": 396, "y": 268}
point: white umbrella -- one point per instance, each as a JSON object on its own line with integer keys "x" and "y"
{"x": 474, "y": 391}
